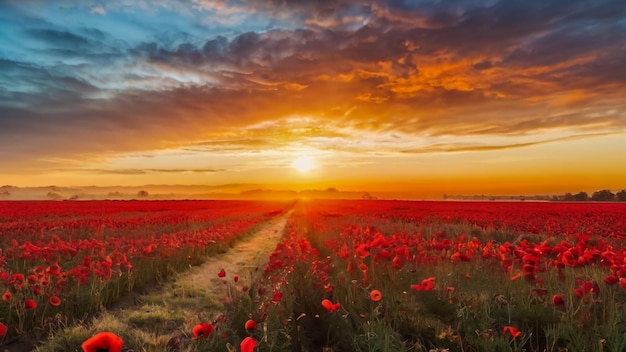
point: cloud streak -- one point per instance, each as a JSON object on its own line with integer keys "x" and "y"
{"x": 142, "y": 171}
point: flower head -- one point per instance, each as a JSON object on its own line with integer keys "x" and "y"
{"x": 250, "y": 325}
{"x": 103, "y": 341}
{"x": 3, "y": 329}
{"x": 277, "y": 296}
{"x": 426, "y": 285}
{"x": 558, "y": 300}
{"x": 221, "y": 273}
{"x": 511, "y": 330}
{"x": 248, "y": 344}
{"x": 54, "y": 269}
{"x": 7, "y": 296}
{"x": 55, "y": 301}
{"x": 375, "y": 295}
{"x": 203, "y": 330}
{"x": 330, "y": 306}
{"x": 30, "y": 304}
{"x": 611, "y": 280}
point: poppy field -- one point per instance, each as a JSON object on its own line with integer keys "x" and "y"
{"x": 345, "y": 275}
{"x": 443, "y": 276}
{"x": 60, "y": 262}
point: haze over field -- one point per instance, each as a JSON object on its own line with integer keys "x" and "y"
{"x": 404, "y": 97}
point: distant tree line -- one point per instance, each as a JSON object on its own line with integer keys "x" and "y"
{"x": 604, "y": 195}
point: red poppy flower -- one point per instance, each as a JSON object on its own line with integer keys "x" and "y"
{"x": 222, "y": 273}
{"x": 376, "y": 296}
{"x": 7, "y": 296}
{"x": 277, "y": 296}
{"x": 558, "y": 300}
{"x": 248, "y": 344}
{"x": 529, "y": 270}
{"x": 611, "y": 280}
{"x": 330, "y": 306}
{"x": 622, "y": 282}
{"x": 397, "y": 262}
{"x": 3, "y": 329}
{"x": 511, "y": 330}
{"x": 40, "y": 270}
{"x": 30, "y": 304}
{"x": 236, "y": 278}
{"x": 54, "y": 269}
{"x": 426, "y": 285}
{"x": 203, "y": 330}
{"x": 55, "y": 301}
{"x": 37, "y": 290}
{"x": 530, "y": 259}
{"x": 250, "y": 325}
{"x": 103, "y": 341}
{"x": 18, "y": 278}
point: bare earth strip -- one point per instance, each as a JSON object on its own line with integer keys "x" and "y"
{"x": 169, "y": 312}
{"x": 242, "y": 260}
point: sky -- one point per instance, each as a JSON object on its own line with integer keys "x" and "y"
{"x": 424, "y": 97}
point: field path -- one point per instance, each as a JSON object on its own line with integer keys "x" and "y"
{"x": 243, "y": 260}
{"x": 166, "y": 313}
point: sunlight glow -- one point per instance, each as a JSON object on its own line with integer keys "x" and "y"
{"x": 303, "y": 164}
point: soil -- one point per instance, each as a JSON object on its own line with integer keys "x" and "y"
{"x": 245, "y": 258}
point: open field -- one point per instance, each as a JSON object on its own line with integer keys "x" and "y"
{"x": 63, "y": 261}
{"x": 342, "y": 275}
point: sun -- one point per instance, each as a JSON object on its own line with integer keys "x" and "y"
{"x": 303, "y": 164}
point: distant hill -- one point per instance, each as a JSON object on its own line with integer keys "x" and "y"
{"x": 154, "y": 192}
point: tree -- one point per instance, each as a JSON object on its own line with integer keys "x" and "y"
{"x": 581, "y": 196}
{"x": 568, "y": 197}
{"x": 603, "y": 196}
{"x": 621, "y": 196}
{"x": 142, "y": 194}
{"x": 54, "y": 196}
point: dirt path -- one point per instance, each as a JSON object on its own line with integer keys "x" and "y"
{"x": 243, "y": 260}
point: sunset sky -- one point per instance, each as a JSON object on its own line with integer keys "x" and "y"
{"x": 423, "y": 97}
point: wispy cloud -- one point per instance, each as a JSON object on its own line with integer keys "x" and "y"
{"x": 139, "y": 171}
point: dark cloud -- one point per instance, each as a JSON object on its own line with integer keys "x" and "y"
{"x": 22, "y": 79}
{"x": 483, "y": 65}
{"x": 58, "y": 38}
{"x": 567, "y": 43}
